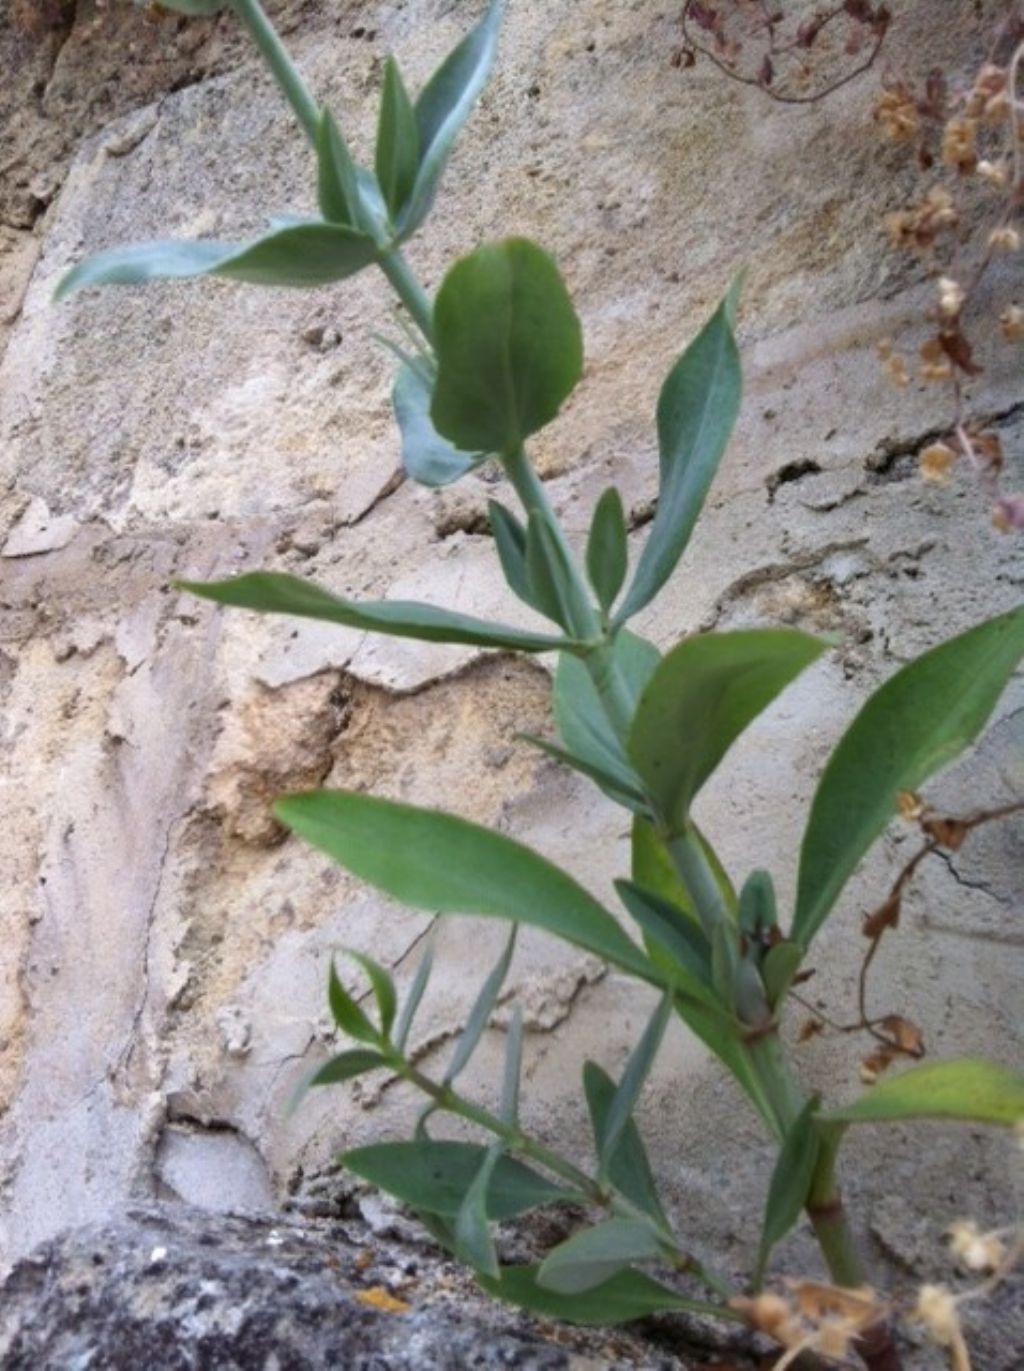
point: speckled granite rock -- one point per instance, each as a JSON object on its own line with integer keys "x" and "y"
{"x": 178, "y": 1290}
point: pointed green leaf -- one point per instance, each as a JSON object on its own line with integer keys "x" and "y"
{"x": 630, "y": 799}
{"x": 346, "y": 1013}
{"x": 972, "y": 1091}
{"x": 638, "y": 1068}
{"x": 480, "y": 1014}
{"x": 607, "y": 548}
{"x": 915, "y": 724}
{"x": 548, "y": 576}
{"x": 581, "y": 717}
{"x": 202, "y": 7}
{"x": 306, "y": 254}
{"x": 427, "y": 457}
{"x": 383, "y": 988}
{"x": 273, "y": 592}
{"x": 697, "y": 409}
{"x": 435, "y": 861}
{"x": 702, "y": 695}
{"x": 337, "y": 181}
{"x": 398, "y": 141}
{"x": 629, "y": 1295}
{"x": 443, "y": 107}
{"x": 510, "y": 545}
{"x": 436, "y": 1176}
{"x": 345, "y": 1066}
{"x": 415, "y": 995}
{"x": 473, "y": 1242}
{"x": 629, "y": 1168}
{"x": 780, "y": 965}
{"x": 756, "y": 914}
{"x": 790, "y": 1184}
{"x": 592, "y": 1257}
{"x": 509, "y": 347}
{"x": 676, "y": 933}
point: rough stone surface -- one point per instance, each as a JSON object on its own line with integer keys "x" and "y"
{"x": 164, "y": 953}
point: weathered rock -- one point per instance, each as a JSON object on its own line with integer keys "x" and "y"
{"x": 179, "y": 1290}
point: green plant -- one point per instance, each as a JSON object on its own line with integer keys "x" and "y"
{"x": 487, "y": 364}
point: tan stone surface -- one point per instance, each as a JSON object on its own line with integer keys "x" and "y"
{"x": 164, "y": 953}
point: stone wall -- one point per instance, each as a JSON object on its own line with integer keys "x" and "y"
{"x": 164, "y": 954}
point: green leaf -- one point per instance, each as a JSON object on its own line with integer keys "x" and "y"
{"x": 435, "y": 861}
{"x": 780, "y": 965}
{"x": 630, "y": 799}
{"x": 581, "y": 717}
{"x": 974, "y": 1091}
{"x": 697, "y": 409}
{"x": 436, "y": 1176}
{"x": 607, "y": 548}
{"x": 638, "y": 1068}
{"x": 194, "y": 6}
{"x": 628, "y": 1167}
{"x": 549, "y": 577}
{"x": 414, "y": 997}
{"x": 629, "y": 1295}
{"x": 398, "y": 141}
{"x": 480, "y": 1014}
{"x": 443, "y": 107}
{"x": 513, "y": 1069}
{"x": 509, "y": 347}
{"x": 702, "y": 695}
{"x": 273, "y": 592}
{"x": 790, "y": 1184}
{"x": 591, "y": 1258}
{"x": 337, "y": 178}
{"x": 307, "y": 254}
{"x": 653, "y": 869}
{"x": 915, "y": 724}
{"x": 427, "y": 457}
{"x": 346, "y": 1013}
{"x": 510, "y": 545}
{"x": 383, "y": 988}
{"x": 345, "y": 1066}
{"x": 756, "y": 914}
{"x": 676, "y": 933}
{"x": 473, "y": 1242}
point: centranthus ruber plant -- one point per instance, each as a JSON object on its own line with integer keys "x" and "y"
{"x": 486, "y": 365}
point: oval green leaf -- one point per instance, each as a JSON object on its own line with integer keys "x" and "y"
{"x": 509, "y": 347}
{"x": 437, "y": 1176}
{"x": 629, "y": 1295}
{"x": 702, "y": 695}
{"x": 436, "y": 861}
{"x": 790, "y": 1184}
{"x": 627, "y": 1167}
{"x": 607, "y": 548}
{"x": 915, "y": 724}
{"x": 591, "y": 1258}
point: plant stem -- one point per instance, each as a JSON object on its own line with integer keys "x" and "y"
{"x": 409, "y": 290}
{"x": 274, "y": 53}
{"x": 588, "y": 1190}
{"x": 691, "y": 861}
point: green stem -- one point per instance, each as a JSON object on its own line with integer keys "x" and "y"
{"x": 407, "y": 287}
{"x": 606, "y": 1197}
{"x": 297, "y": 93}
{"x": 691, "y": 861}
{"x": 779, "y": 1087}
